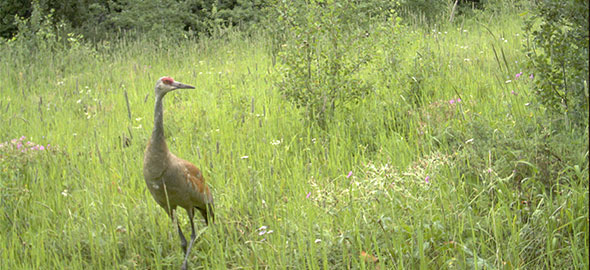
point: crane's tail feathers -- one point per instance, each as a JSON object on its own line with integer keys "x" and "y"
{"x": 208, "y": 213}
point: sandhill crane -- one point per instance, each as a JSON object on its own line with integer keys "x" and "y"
{"x": 171, "y": 180}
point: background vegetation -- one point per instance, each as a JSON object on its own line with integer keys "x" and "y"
{"x": 334, "y": 134}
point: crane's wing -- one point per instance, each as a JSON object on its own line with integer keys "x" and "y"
{"x": 201, "y": 195}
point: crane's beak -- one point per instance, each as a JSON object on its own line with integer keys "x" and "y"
{"x": 179, "y": 85}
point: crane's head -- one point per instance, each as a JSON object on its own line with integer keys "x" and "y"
{"x": 167, "y": 84}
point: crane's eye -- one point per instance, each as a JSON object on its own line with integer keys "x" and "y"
{"x": 167, "y": 80}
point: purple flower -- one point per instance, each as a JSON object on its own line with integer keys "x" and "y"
{"x": 518, "y": 75}
{"x": 514, "y": 93}
{"x": 308, "y": 194}
{"x": 451, "y": 101}
{"x": 532, "y": 76}
{"x": 41, "y": 147}
{"x": 22, "y": 138}
{"x": 349, "y": 174}
{"x": 458, "y": 100}
{"x": 427, "y": 179}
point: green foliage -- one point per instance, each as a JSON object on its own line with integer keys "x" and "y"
{"x": 104, "y": 20}
{"x": 424, "y": 11}
{"x": 162, "y": 18}
{"x": 8, "y": 11}
{"x": 40, "y": 32}
{"x": 326, "y": 46}
{"x": 558, "y": 56}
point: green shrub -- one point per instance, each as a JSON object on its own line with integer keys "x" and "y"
{"x": 558, "y": 56}
{"x": 322, "y": 49}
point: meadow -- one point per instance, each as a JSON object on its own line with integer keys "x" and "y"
{"x": 449, "y": 163}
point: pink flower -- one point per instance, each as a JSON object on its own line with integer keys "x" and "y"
{"x": 514, "y": 93}
{"x": 518, "y": 75}
{"x": 308, "y": 194}
{"x": 427, "y": 179}
{"x": 451, "y": 101}
{"x": 349, "y": 174}
{"x": 458, "y": 100}
{"x": 532, "y": 76}
{"x": 22, "y": 138}
{"x": 41, "y": 147}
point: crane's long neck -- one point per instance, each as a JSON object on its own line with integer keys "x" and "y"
{"x": 157, "y": 142}
{"x": 158, "y": 132}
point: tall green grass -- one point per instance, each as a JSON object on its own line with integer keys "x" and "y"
{"x": 405, "y": 179}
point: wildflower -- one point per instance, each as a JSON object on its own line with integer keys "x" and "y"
{"x": 41, "y": 147}
{"x": 458, "y": 100}
{"x": 532, "y": 76}
{"x": 262, "y": 231}
{"x": 308, "y": 194}
{"x": 349, "y": 174}
{"x": 452, "y": 101}
{"x": 22, "y": 138}
{"x": 121, "y": 229}
{"x": 489, "y": 170}
{"x": 514, "y": 93}
{"x": 518, "y": 75}
{"x": 427, "y": 179}
{"x": 275, "y": 142}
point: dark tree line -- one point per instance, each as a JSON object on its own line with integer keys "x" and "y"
{"x": 99, "y": 19}
{"x": 95, "y": 19}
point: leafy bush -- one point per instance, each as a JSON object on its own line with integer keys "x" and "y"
{"x": 322, "y": 50}
{"x": 41, "y": 32}
{"x": 558, "y": 54}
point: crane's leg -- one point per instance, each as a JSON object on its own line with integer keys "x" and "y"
{"x": 191, "y": 214}
{"x": 182, "y": 239}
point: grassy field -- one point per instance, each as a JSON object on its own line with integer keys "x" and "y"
{"x": 450, "y": 163}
